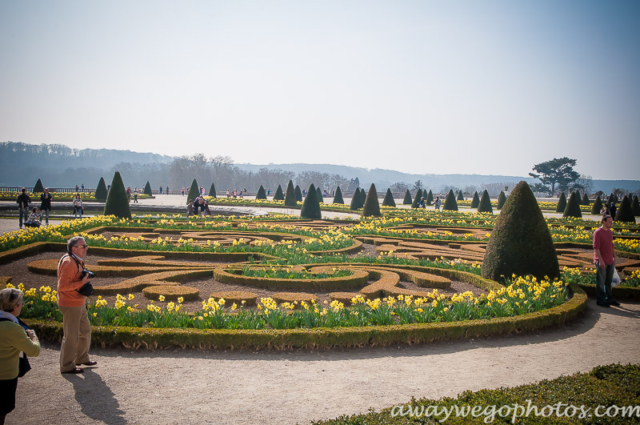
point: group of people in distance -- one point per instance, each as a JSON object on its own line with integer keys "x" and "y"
{"x": 198, "y": 206}
{"x": 33, "y": 217}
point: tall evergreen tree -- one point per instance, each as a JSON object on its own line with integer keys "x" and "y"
{"x": 407, "y": 198}
{"x": 625, "y": 212}
{"x": 320, "y": 197}
{"x": 415, "y": 202}
{"x": 38, "y": 188}
{"x": 573, "y": 206}
{"x": 371, "y": 206}
{"x": 101, "y": 191}
{"x": 279, "y": 196}
{"x": 212, "y": 191}
{"x": 290, "y": 197}
{"x": 501, "y": 200}
{"x": 460, "y": 196}
{"x": 562, "y": 203}
{"x": 388, "y": 199}
{"x": 298, "y": 194}
{"x": 363, "y": 197}
{"x": 337, "y": 199}
{"x": 585, "y": 199}
{"x": 311, "y": 206}
{"x": 430, "y": 198}
{"x": 612, "y": 198}
{"x": 450, "y": 204}
{"x": 194, "y": 191}
{"x": 147, "y": 189}
{"x": 262, "y": 194}
{"x": 597, "y": 206}
{"x": 476, "y": 200}
{"x": 635, "y": 206}
{"x": 485, "y": 203}
{"x": 117, "y": 202}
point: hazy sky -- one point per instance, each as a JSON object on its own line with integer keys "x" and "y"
{"x": 474, "y": 87}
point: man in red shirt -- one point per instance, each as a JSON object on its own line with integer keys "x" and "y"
{"x": 604, "y": 257}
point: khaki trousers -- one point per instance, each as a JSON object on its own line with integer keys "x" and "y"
{"x": 76, "y": 339}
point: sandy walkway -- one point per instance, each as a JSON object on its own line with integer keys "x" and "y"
{"x": 297, "y": 387}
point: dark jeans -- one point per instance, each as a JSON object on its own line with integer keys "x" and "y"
{"x": 603, "y": 282}
{"x": 24, "y": 214}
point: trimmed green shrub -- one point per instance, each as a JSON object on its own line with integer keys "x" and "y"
{"x": 320, "y": 197}
{"x": 475, "y": 202}
{"x": 562, "y": 203}
{"x": 501, "y": 200}
{"x": 450, "y": 204}
{"x": 311, "y": 206}
{"x": 290, "y": 197}
{"x": 585, "y": 199}
{"x": 298, "y": 194}
{"x": 262, "y": 194}
{"x": 415, "y": 202}
{"x": 573, "y": 206}
{"x": 371, "y": 206}
{"x": 355, "y": 200}
{"x": 194, "y": 191}
{"x": 635, "y": 206}
{"x": 147, "y": 189}
{"x": 38, "y": 188}
{"x": 597, "y": 206}
{"x": 485, "y": 203}
{"x": 430, "y": 198}
{"x": 388, "y": 199}
{"x": 407, "y": 198}
{"x": 363, "y": 197}
{"x": 279, "y": 196}
{"x": 520, "y": 242}
{"x": 337, "y": 199}
{"x": 460, "y": 196}
{"x": 117, "y": 202}
{"x": 212, "y": 191}
{"x": 625, "y": 213}
{"x": 101, "y": 191}
{"x": 612, "y": 198}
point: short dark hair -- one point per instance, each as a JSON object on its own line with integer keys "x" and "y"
{"x": 606, "y": 217}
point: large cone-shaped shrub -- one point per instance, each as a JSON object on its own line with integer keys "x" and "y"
{"x": 101, "y": 191}
{"x": 460, "y": 196}
{"x": 625, "y": 213}
{"x": 279, "y": 196}
{"x": 562, "y": 203}
{"x": 311, "y": 206}
{"x": 355, "y": 200}
{"x": 337, "y": 198}
{"x": 415, "y": 202}
{"x": 212, "y": 191}
{"x": 450, "y": 204}
{"x": 520, "y": 242}
{"x": 298, "y": 194}
{"x": 475, "y": 202}
{"x": 430, "y": 198}
{"x": 38, "y": 188}
{"x": 502, "y": 198}
{"x": 320, "y": 197}
{"x": 363, "y": 197}
{"x": 573, "y": 206}
{"x": 612, "y": 198}
{"x": 597, "y": 206}
{"x": 635, "y": 206}
{"x": 262, "y": 194}
{"x": 194, "y": 191}
{"x": 371, "y": 206}
{"x": 407, "y": 198}
{"x": 585, "y": 199}
{"x": 485, "y": 203}
{"x": 388, "y": 199}
{"x": 147, "y": 189}
{"x": 117, "y": 203}
{"x": 290, "y": 197}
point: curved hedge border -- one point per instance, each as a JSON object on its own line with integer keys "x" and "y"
{"x": 356, "y": 280}
{"x": 152, "y": 338}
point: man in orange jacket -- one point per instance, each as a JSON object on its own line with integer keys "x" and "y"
{"x": 75, "y": 321}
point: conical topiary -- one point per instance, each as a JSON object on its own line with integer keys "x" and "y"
{"x": 430, "y": 198}
{"x": 475, "y": 202}
{"x": 38, "y": 188}
{"x": 355, "y": 200}
{"x": 262, "y": 194}
{"x": 320, "y": 197}
{"x": 311, "y": 206}
{"x": 298, "y": 194}
{"x": 450, "y": 204}
{"x": 101, "y": 191}
{"x": 597, "y": 206}
{"x": 415, "y": 202}
{"x": 562, "y": 203}
{"x": 279, "y": 196}
{"x": 635, "y": 206}
{"x": 585, "y": 199}
{"x": 501, "y": 200}
{"x": 407, "y": 198}
{"x": 573, "y": 206}
{"x": 625, "y": 212}
{"x": 212, "y": 191}
{"x": 388, "y": 199}
{"x": 117, "y": 202}
{"x": 520, "y": 242}
{"x": 337, "y": 198}
{"x": 147, "y": 189}
{"x": 484, "y": 205}
{"x": 194, "y": 191}
{"x": 460, "y": 196}
{"x": 363, "y": 197}
{"x": 371, "y": 206}
{"x": 290, "y": 196}
{"x": 612, "y": 198}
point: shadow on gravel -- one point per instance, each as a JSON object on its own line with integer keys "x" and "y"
{"x": 96, "y": 399}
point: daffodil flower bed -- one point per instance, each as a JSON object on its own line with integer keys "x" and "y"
{"x": 588, "y": 277}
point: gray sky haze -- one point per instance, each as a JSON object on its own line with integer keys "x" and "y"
{"x": 473, "y": 87}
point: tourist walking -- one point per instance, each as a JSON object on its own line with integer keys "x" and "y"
{"x": 604, "y": 257}
{"x": 23, "y": 202}
{"x": 135, "y": 195}
{"x": 438, "y": 202}
{"x": 45, "y": 204}
{"x": 77, "y": 207}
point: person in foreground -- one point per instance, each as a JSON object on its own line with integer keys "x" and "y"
{"x": 13, "y": 339}
{"x": 75, "y": 321}
{"x": 604, "y": 257}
